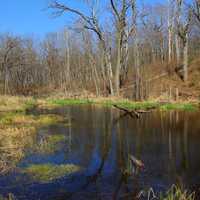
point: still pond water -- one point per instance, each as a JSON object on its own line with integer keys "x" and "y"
{"x": 99, "y": 141}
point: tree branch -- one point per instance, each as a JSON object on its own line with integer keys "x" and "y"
{"x": 114, "y": 9}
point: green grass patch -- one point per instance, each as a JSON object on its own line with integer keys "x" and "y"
{"x": 55, "y": 138}
{"x": 109, "y": 103}
{"x": 64, "y": 102}
{"x": 130, "y": 104}
{"x": 21, "y": 119}
{"x": 179, "y": 106}
{"x": 30, "y": 103}
{"x": 49, "y": 119}
{"x": 45, "y": 173}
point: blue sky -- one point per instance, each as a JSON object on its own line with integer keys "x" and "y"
{"x": 29, "y": 17}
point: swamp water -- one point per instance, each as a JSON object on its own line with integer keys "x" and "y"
{"x": 86, "y": 158}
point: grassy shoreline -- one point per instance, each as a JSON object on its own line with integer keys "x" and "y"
{"x": 21, "y": 104}
{"x": 108, "y": 102}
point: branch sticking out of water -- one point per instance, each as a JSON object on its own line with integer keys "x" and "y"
{"x": 132, "y": 113}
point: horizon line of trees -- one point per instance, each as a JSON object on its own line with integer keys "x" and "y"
{"x": 104, "y": 55}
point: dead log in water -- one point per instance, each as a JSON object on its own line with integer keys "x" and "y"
{"x": 134, "y": 113}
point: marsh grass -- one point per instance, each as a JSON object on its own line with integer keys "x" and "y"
{"x": 145, "y": 105}
{"x": 176, "y": 193}
{"x": 45, "y": 173}
{"x": 64, "y": 102}
{"x": 16, "y": 103}
{"x": 49, "y": 144}
{"x": 13, "y": 142}
{"x": 49, "y": 119}
{"x": 21, "y": 119}
{"x": 10, "y": 196}
{"x": 18, "y": 129}
{"x": 179, "y": 106}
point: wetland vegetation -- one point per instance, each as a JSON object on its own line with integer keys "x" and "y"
{"x": 42, "y": 143}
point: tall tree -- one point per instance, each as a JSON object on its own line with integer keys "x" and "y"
{"x": 196, "y": 10}
{"x": 90, "y": 22}
{"x": 183, "y": 29}
{"x": 121, "y": 11}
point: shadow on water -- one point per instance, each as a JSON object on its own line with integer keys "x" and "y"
{"x": 97, "y": 147}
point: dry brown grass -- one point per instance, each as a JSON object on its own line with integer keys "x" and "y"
{"x": 17, "y": 103}
{"x": 18, "y": 130}
{"x": 13, "y": 142}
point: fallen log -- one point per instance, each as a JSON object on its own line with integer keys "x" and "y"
{"x": 133, "y": 113}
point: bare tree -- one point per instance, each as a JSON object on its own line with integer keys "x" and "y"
{"x": 196, "y": 10}
{"x": 124, "y": 27}
{"x": 8, "y": 58}
{"x": 170, "y": 29}
{"x": 124, "y": 30}
{"x": 183, "y": 29}
{"x": 91, "y": 23}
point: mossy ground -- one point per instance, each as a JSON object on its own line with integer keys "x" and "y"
{"x": 48, "y": 172}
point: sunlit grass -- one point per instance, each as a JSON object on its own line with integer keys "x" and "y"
{"x": 175, "y": 193}
{"x": 16, "y": 103}
{"x": 21, "y": 119}
{"x": 145, "y": 105}
{"x": 13, "y": 141}
{"x": 18, "y": 129}
{"x": 48, "y": 172}
{"x": 179, "y": 106}
{"x": 64, "y": 102}
{"x": 130, "y": 104}
{"x": 49, "y": 119}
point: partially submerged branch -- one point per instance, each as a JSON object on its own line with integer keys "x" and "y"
{"x": 133, "y": 113}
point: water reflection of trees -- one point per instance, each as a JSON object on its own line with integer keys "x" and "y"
{"x": 104, "y": 138}
{"x": 166, "y": 135}
{"x": 109, "y": 157}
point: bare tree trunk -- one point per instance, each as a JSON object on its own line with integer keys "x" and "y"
{"x": 170, "y": 45}
{"x": 118, "y": 65}
{"x": 177, "y": 45}
{"x": 185, "y": 59}
{"x": 169, "y": 41}
{"x": 137, "y": 68}
{"x": 109, "y": 71}
{"x": 170, "y": 30}
{"x": 6, "y": 81}
{"x": 67, "y": 62}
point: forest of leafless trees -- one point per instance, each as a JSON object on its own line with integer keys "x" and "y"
{"x": 113, "y": 48}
